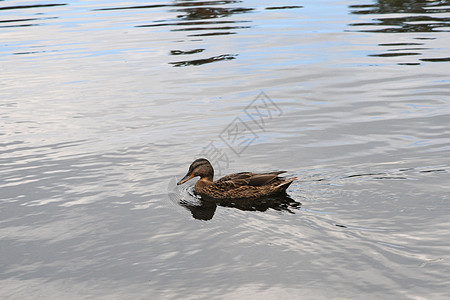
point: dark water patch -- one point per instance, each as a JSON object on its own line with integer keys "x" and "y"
{"x": 181, "y": 52}
{"x": 407, "y": 49}
{"x": 405, "y": 24}
{"x": 434, "y": 171}
{"x": 359, "y": 228}
{"x": 395, "y": 54}
{"x": 17, "y": 23}
{"x": 442, "y": 59}
{"x": 132, "y": 7}
{"x": 412, "y": 16}
{"x": 34, "y": 52}
{"x": 191, "y": 23}
{"x": 21, "y": 25}
{"x": 19, "y": 20}
{"x": 401, "y": 17}
{"x": 401, "y": 44}
{"x": 180, "y": 3}
{"x": 198, "y": 62}
{"x": 391, "y": 177}
{"x": 284, "y": 7}
{"x": 200, "y": 18}
{"x": 200, "y": 13}
{"x": 213, "y": 33}
{"x": 25, "y": 53}
{"x": 408, "y": 6}
{"x": 31, "y": 6}
{"x": 210, "y": 28}
{"x": 424, "y": 38}
{"x": 408, "y": 64}
{"x": 363, "y": 175}
{"x": 192, "y": 10}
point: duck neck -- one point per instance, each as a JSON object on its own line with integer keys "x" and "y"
{"x": 203, "y": 184}
{"x": 207, "y": 178}
{"x": 208, "y": 175}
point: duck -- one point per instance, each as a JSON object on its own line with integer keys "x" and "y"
{"x": 243, "y": 185}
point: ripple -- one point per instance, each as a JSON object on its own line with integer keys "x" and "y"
{"x": 395, "y": 54}
{"x": 180, "y": 3}
{"x": 441, "y": 59}
{"x": 202, "y": 61}
{"x": 97, "y": 116}
{"x": 31, "y": 6}
{"x": 187, "y": 52}
{"x": 403, "y": 17}
{"x": 284, "y": 7}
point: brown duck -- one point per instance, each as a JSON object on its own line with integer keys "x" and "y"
{"x": 235, "y": 186}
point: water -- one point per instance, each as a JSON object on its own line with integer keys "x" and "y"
{"x": 104, "y": 104}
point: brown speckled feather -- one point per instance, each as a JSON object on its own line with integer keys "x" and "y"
{"x": 248, "y": 178}
{"x": 235, "y": 186}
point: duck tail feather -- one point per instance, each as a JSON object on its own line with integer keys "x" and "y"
{"x": 285, "y": 184}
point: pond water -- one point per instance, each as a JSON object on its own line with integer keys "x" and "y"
{"x": 104, "y": 104}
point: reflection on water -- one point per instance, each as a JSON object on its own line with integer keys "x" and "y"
{"x": 103, "y": 102}
{"x": 202, "y": 61}
{"x": 30, "y": 6}
{"x": 18, "y": 22}
{"x": 204, "y": 12}
{"x": 204, "y": 208}
{"x": 284, "y": 7}
{"x": 200, "y": 19}
{"x": 181, "y": 52}
{"x": 193, "y": 16}
{"x": 412, "y": 16}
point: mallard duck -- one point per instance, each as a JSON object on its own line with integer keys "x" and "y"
{"x": 235, "y": 186}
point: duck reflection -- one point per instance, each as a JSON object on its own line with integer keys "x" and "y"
{"x": 205, "y": 208}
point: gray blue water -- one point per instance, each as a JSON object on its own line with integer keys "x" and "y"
{"x": 104, "y": 104}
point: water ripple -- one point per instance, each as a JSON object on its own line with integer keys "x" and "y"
{"x": 103, "y": 103}
{"x": 404, "y": 17}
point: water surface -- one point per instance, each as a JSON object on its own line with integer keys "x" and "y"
{"x": 104, "y": 104}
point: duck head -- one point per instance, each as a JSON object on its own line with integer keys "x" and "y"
{"x": 200, "y": 167}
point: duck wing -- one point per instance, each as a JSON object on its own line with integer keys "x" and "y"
{"x": 248, "y": 178}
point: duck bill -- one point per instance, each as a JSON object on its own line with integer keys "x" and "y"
{"x": 185, "y": 178}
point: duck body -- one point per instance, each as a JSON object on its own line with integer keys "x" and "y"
{"x": 235, "y": 186}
